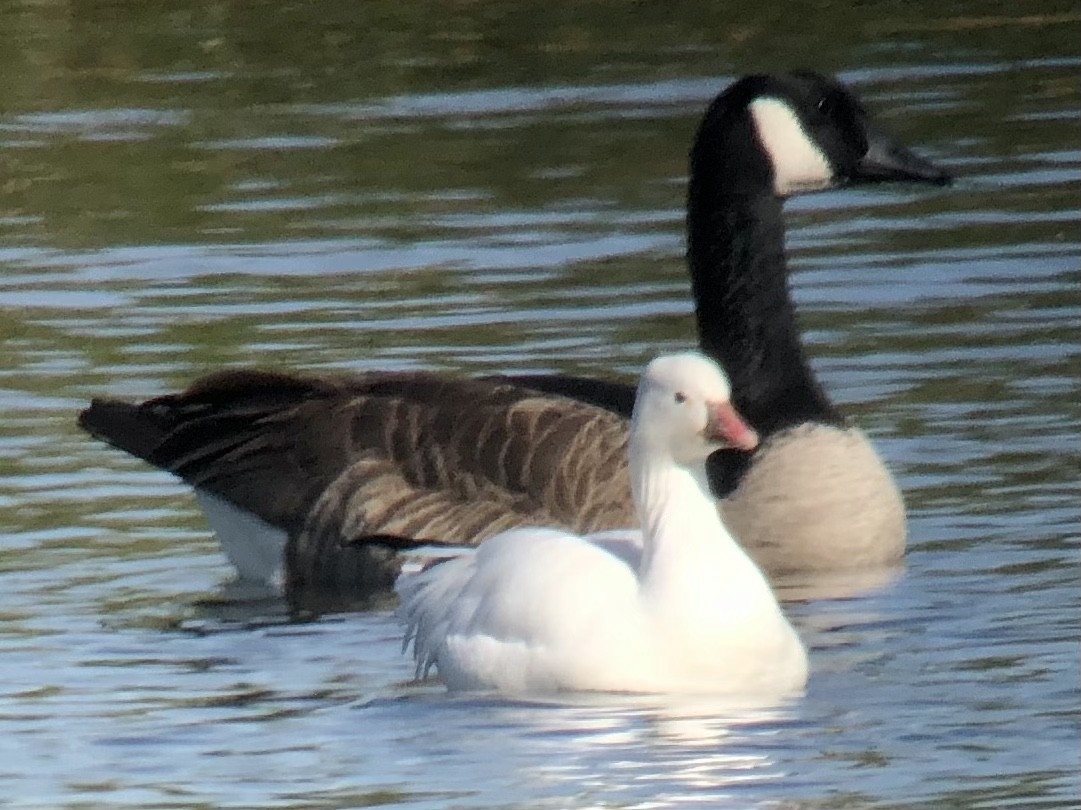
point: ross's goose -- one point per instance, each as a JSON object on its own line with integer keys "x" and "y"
{"x": 676, "y": 607}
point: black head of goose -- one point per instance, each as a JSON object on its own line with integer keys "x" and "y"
{"x": 313, "y": 481}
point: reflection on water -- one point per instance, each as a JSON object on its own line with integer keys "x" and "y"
{"x": 256, "y": 183}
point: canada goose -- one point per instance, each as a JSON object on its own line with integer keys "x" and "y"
{"x": 675, "y": 607}
{"x": 316, "y": 465}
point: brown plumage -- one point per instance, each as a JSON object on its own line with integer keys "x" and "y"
{"x": 404, "y": 458}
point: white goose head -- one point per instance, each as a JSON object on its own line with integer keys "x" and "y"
{"x": 683, "y": 411}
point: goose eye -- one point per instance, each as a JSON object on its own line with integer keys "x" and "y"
{"x": 680, "y": 397}
{"x": 826, "y": 105}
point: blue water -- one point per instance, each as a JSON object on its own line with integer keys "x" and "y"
{"x": 153, "y": 230}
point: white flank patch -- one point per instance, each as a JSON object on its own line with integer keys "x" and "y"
{"x": 798, "y": 163}
{"x": 416, "y": 560}
{"x": 254, "y": 547}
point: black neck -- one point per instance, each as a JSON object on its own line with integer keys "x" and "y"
{"x": 746, "y": 318}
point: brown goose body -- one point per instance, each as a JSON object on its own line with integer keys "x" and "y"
{"x": 394, "y": 459}
{"x": 353, "y": 468}
{"x": 345, "y": 469}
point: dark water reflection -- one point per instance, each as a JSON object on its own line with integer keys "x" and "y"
{"x": 436, "y": 185}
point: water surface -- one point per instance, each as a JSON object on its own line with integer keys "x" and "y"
{"x": 347, "y": 186}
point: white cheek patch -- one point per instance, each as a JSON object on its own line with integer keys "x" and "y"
{"x": 798, "y": 163}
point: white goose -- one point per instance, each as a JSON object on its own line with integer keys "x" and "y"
{"x": 677, "y": 607}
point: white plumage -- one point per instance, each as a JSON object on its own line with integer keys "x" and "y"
{"x": 799, "y": 164}
{"x": 677, "y": 607}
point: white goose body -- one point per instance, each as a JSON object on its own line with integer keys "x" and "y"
{"x": 680, "y": 607}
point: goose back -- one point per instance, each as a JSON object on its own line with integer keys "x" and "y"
{"x": 398, "y": 458}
